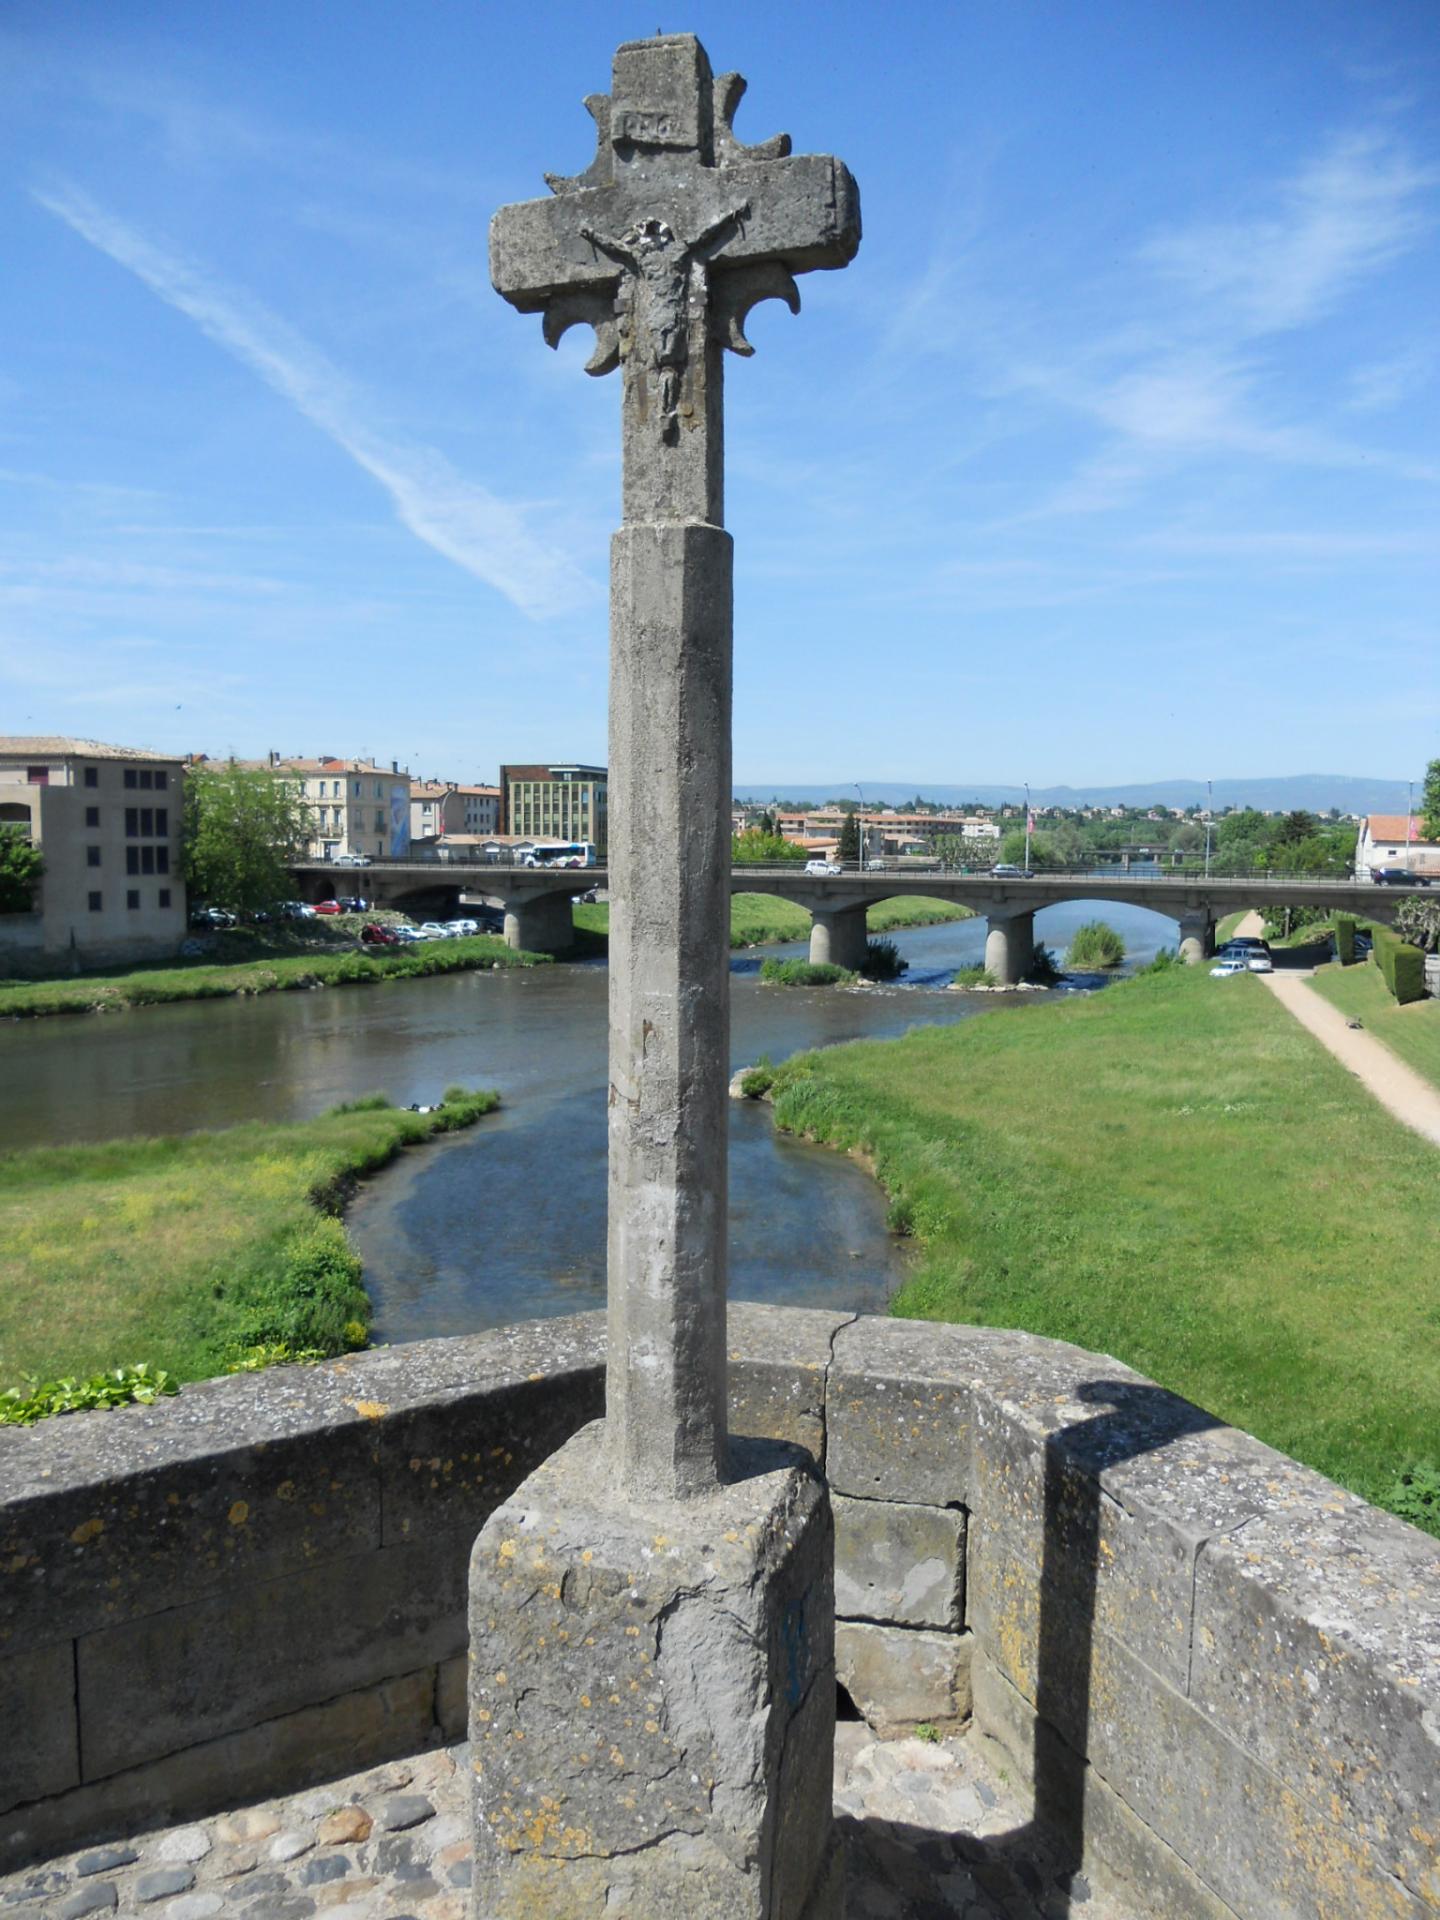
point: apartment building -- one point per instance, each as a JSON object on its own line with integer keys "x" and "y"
{"x": 108, "y": 821}
{"x": 440, "y": 809}
{"x": 562, "y": 802}
{"x": 357, "y": 807}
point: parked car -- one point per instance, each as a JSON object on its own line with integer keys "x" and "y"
{"x": 406, "y": 935}
{"x": 354, "y": 904}
{"x": 1398, "y": 877}
{"x": 328, "y": 907}
{"x": 295, "y": 910}
{"x": 1223, "y": 969}
{"x": 1260, "y": 963}
{"x": 821, "y": 866}
{"x": 435, "y": 930}
{"x": 350, "y": 860}
{"x": 1244, "y": 943}
{"x": 212, "y": 917}
{"x": 377, "y": 936}
{"x": 460, "y": 928}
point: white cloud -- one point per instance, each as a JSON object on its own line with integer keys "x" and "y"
{"x": 457, "y": 517}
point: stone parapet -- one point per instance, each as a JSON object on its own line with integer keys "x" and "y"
{"x": 1220, "y": 1671}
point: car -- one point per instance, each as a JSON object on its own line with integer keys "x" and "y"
{"x": 821, "y": 866}
{"x": 1398, "y": 877}
{"x": 1245, "y": 943}
{"x": 406, "y": 935}
{"x": 328, "y": 906}
{"x": 350, "y": 860}
{"x": 354, "y": 904}
{"x": 1006, "y": 872}
{"x": 460, "y": 928}
{"x": 212, "y": 917}
{"x": 295, "y": 910}
{"x": 377, "y": 936}
{"x": 877, "y": 866}
{"x": 1260, "y": 963}
{"x": 436, "y": 930}
{"x": 1223, "y": 969}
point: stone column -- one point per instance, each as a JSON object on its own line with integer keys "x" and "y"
{"x": 541, "y": 923}
{"x": 1197, "y": 937}
{"x": 838, "y": 937}
{"x": 1010, "y": 946}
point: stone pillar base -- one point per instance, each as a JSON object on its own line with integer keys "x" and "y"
{"x": 839, "y": 938}
{"x": 1010, "y": 947}
{"x": 652, "y": 1696}
{"x": 542, "y": 924}
{"x": 1197, "y": 938}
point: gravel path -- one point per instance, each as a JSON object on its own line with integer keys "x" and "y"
{"x": 926, "y": 1826}
{"x": 1398, "y": 1087}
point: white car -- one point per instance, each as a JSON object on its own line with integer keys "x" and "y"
{"x": 351, "y": 860}
{"x": 436, "y": 930}
{"x": 460, "y": 928}
{"x": 410, "y": 934}
{"x": 821, "y": 866}
{"x": 1224, "y": 968}
{"x": 1259, "y": 963}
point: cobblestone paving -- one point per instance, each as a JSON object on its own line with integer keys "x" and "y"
{"x": 924, "y": 1824}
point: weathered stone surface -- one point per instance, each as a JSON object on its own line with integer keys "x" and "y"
{"x": 779, "y": 1357}
{"x": 161, "y": 1882}
{"x": 902, "y": 1677}
{"x": 899, "y": 1406}
{"x": 1325, "y": 1620}
{"x": 452, "y": 1680}
{"x": 183, "y": 1844}
{"x": 344, "y": 1827}
{"x": 398, "y": 1811}
{"x": 172, "y": 1680}
{"x": 899, "y": 1563}
{"x": 39, "y": 1742}
{"x": 636, "y": 1679}
{"x": 98, "y": 1897}
{"x": 106, "y": 1860}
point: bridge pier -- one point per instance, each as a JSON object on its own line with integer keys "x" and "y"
{"x": 1197, "y": 937}
{"x": 838, "y": 937}
{"x": 540, "y": 923}
{"x": 1009, "y": 947}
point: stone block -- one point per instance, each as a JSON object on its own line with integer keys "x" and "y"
{"x": 1093, "y": 1827}
{"x": 278, "y": 1756}
{"x": 899, "y": 1563}
{"x": 39, "y": 1735}
{"x": 644, "y": 1680}
{"x": 779, "y": 1357}
{"x": 904, "y": 1677}
{"x": 898, "y": 1411}
{"x": 1317, "y": 1647}
{"x": 260, "y": 1650}
{"x": 1258, "y": 1846}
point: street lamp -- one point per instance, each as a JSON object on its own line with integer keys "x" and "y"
{"x": 1209, "y": 818}
{"x": 1027, "y": 826}
{"x": 860, "y": 823}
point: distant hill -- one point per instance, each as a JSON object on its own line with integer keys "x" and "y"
{"x": 1317, "y": 792}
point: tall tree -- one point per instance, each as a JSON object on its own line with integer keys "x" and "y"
{"x": 1430, "y": 803}
{"x": 21, "y": 866}
{"x": 850, "y": 841}
{"x": 244, "y": 828}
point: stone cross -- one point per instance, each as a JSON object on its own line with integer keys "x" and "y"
{"x": 663, "y": 245}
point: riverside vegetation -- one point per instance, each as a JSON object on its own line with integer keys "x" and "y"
{"x": 761, "y": 919}
{"x": 198, "y": 1254}
{"x": 1175, "y": 1173}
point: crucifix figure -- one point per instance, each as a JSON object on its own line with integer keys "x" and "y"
{"x": 663, "y": 245}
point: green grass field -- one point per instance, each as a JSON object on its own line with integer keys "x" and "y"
{"x": 1412, "y": 1031}
{"x": 1176, "y": 1173}
{"x": 267, "y": 973}
{"x": 184, "y": 1253}
{"x": 760, "y": 919}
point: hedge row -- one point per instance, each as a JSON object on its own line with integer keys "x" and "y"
{"x": 1345, "y": 941}
{"x": 1402, "y": 965}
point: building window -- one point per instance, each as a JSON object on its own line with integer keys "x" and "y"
{"x": 162, "y": 859}
{"x": 147, "y": 777}
{"x": 162, "y": 822}
{"x": 132, "y": 859}
{"x": 37, "y": 776}
{"x": 92, "y": 816}
{"x": 131, "y": 778}
{"x": 132, "y": 899}
{"x": 92, "y": 856}
{"x": 132, "y": 822}
{"x": 162, "y": 781}
{"x": 164, "y": 896}
{"x": 95, "y": 903}
{"x": 92, "y": 776}
{"x": 147, "y": 859}
{"x": 379, "y": 821}
{"x": 147, "y": 822}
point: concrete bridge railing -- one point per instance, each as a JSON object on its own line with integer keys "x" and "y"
{"x": 1219, "y": 1673}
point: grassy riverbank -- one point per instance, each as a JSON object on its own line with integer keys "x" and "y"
{"x": 275, "y": 972}
{"x": 1412, "y": 1032}
{"x": 1176, "y": 1173}
{"x": 760, "y": 919}
{"x": 189, "y": 1253}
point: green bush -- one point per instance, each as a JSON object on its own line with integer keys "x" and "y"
{"x": 1415, "y": 1496}
{"x": 1344, "y": 940}
{"x": 883, "y": 960}
{"x": 973, "y": 977}
{"x": 757, "y": 1081}
{"x": 1043, "y": 970}
{"x": 1401, "y": 965}
{"x": 122, "y": 1386}
{"x": 804, "y": 973}
{"x": 1096, "y": 944}
{"x": 1164, "y": 960}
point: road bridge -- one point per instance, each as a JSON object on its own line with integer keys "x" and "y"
{"x": 535, "y": 901}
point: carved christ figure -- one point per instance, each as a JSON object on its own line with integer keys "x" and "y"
{"x": 657, "y": 296}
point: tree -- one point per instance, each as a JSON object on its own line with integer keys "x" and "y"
{"x": 244, "y": 829}
{"x": 1418, "y": 921}
{"x": 755, "y": 849}
{"x": 849, "y": 849}
{"x": 1430, "y": 803}
{"x": 1295, "y": 827}
{"x": 21, "y": 866}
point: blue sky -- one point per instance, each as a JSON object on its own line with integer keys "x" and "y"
{"x": 1115, "y": 455}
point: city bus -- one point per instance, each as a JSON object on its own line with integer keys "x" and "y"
{"x": 561, "y": 853}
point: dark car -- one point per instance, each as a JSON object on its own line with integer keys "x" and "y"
{"x": 377, "y": 936}
{"x": 1398, "y": 877}
{"x": 212, "y": 917}
{"x": 354, "y": 904}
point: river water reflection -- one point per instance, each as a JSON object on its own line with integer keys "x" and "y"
{"x": 506, "y": 1221}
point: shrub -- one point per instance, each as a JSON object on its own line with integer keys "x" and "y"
{"x": 883, "y": 960}
{"x": 1415, "y": 1496}
{"x": 363, "y": 1103}
{"x": 1402, "y": 966}
{"x": 804, "y": 973}
{"x": 1165, "y": 959}
{"x": 1096, "y": 944}
{"x": 1345, "y": 940}
{"x": 757, "y": 1081}
{"x": 973, "y": 977}
{"x": 1043, "y": 970}
{"x": 122, "y": 1386}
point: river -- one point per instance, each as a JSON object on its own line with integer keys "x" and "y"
{"x": 507, "y": 1220}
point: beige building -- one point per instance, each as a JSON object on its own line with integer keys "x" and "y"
{"x": 108, "y": 822}
{"x": 356, "y": 806}
{"x": 1395, "y": 840}
{"x": 441, "y": 809}
{"x": 565, "y": 802}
